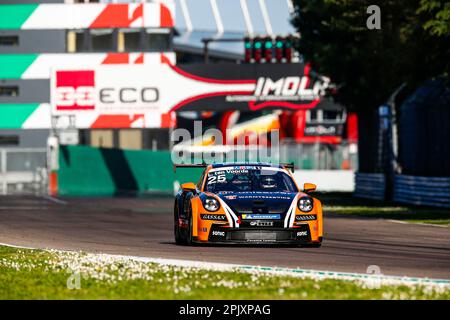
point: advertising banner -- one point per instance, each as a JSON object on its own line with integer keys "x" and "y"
{"x": 147, "y": 96}
{"x": 323, "y": 129}
{"x": 46, "y": 16}
{"x": 291, "y": 86}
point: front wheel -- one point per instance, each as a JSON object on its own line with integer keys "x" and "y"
{"x": 313, "y": 245}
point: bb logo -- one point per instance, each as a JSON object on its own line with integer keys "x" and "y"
{"x": 75, "y": 90}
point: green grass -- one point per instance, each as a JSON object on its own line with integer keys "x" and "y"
{"x": 37, "y": 274}
{"x": 345, "y": 203}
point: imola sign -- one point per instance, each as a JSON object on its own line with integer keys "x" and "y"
{"x": 149, "y": 92}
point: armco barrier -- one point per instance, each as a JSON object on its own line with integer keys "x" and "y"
{"x": 87, "y": 170}
{"x": 428, "y": 191}
{"x": 370, "y": 185}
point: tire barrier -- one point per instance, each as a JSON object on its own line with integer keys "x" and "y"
{"x": 425, "y": 191}
{"x": 424, "y": 130}
{"x": 429, "y": 191}
{"x": 370, "y": 185}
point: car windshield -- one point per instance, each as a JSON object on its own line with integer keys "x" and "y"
{"x": 249, "y": 180}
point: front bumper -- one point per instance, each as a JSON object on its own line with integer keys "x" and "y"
{"x": 298, "y": 235}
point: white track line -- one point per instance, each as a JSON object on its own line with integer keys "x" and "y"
{"x": 14, "y": 246}
{"x": 279, "y": 271}
{"x": 418, "y": 223}
{"x": 50, "y": 198}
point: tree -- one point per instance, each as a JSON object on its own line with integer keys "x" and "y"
{"x": 439, "y": 25}
{"x": 368, "y": 65}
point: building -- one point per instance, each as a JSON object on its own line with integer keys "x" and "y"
{"x": 38, "y": 36}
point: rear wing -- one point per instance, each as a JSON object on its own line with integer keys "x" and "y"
{"x": 196, "y": 165}
{"x": 289, "y": 166}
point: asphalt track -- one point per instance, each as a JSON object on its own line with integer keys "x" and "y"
{"x": 143, "y": 227}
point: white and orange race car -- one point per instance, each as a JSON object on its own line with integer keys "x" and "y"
{"x": 247, "y": 203}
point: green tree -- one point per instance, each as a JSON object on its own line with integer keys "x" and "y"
{"x": 439, "y": 23}
{"x": 368, "y": 65}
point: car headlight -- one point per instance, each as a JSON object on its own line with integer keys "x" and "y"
{"x": 211, "y": 204}
{"x": 305, "y": 204}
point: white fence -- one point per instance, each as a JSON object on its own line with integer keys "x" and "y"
{"x": 327, "y": 180}
{"x": 23, "y": 170}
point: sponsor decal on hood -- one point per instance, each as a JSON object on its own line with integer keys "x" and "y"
{"x": 261, "y": 216}
{"x": 258, "y": 195}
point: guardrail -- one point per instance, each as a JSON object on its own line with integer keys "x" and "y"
{"x": 370, "y": 185}
{"x": 429, "y": 191}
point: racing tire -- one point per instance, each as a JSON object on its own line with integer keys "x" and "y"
{"x": 313, "y": 245}
{"x": 188, "y": 233}
{"x": 179, "y": 239}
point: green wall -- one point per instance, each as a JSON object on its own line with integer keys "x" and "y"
{"x": 93, "y": 171}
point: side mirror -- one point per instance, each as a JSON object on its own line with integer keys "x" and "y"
{"x": 309, "y": 187}
{"x": 188, "y": 186}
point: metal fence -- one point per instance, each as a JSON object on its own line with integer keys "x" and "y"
{"x": 23, "y": 170}
{"x": 320, "y": 156}
{"x": 317, "y": 156}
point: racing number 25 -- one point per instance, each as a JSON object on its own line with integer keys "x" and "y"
{"x": 217, "y": 179}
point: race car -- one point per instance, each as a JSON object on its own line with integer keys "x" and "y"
{"x": 247, "y": 203}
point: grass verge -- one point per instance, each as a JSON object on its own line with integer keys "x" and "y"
{"x": 41, "y": 274}
{"x": 345, "y": 203}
